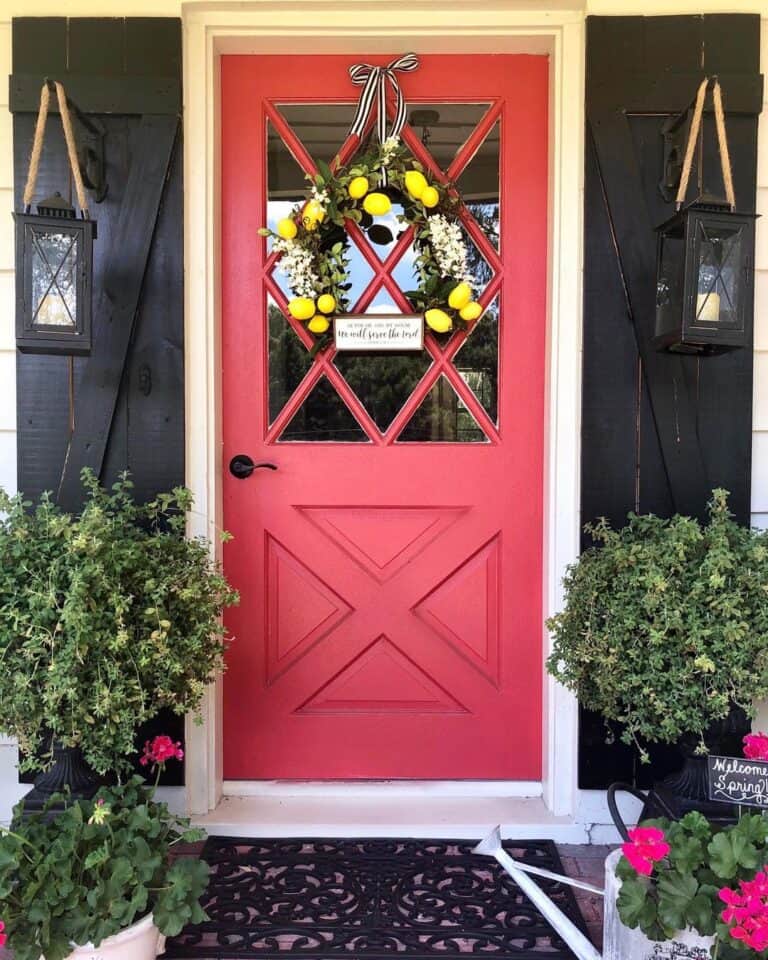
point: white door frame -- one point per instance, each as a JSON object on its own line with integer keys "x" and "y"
{"x": 360, "y": 27}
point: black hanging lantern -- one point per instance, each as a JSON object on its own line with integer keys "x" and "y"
{"x": 54, "y": 266}
{"x": 54, "y": 258}
{"x": 705, "y": 262}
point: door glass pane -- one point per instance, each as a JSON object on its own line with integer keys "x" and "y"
{"x": 478, "y": 360}
{"x": 286, "y": 184}
{"x": 719, "y": 262}
{"x": 444, "y": 128}
{"x": 323, "y": 416}
{"x": 383, "y": 383}
{"x": 54, "y": 279}
{"x": 321, "y": 127}
{"x": 479, "y": 185}
{"x": 442, "y": 418}
{"x": 289, "y": 360}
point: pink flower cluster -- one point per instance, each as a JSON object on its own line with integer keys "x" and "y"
{"x": 746, "y": 911}
{"x": 2, "y": 935}
{"x": 756, "y": 746}
{"x": 159, "y": 750}
{"x": 646, "y": 846}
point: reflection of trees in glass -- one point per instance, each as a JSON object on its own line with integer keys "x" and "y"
{"x": 323, "y": 415}
{"x": 289, "y": 360}
{"x": 442, "y": 418}
{"x": 383, "y": 383}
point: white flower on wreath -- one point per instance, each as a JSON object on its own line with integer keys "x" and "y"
{"x": 389, "y": 149}
{"x": 449, "y": 248}
{"x": 297, "y": 265}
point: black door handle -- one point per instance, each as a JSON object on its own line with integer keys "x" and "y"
{"x": 242, "y": 466}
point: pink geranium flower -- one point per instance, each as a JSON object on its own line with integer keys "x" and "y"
{"x": 159, "y": 750}
{"x": 2, "y": 935}
{"x": 756, "y": 746}
{"x": 646, "y": 846}
{"x": 746, "y": 911}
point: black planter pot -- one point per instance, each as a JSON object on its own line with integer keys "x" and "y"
{"x": 687, "y": 789}
{"x": 68, "y": 774}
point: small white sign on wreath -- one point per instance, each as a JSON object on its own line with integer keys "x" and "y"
{"x": 379, "y": 332}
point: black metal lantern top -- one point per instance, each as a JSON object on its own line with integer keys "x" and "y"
{"x": 705, "y": 260}
{"x": 54, "y": 258}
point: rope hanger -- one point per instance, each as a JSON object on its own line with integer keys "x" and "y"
{"x": 37, "y": 146}
{"x": 722, "y": 142}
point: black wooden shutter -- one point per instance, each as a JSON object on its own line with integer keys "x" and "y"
{"x": 659, "y": 431}
{"x": 122, "y": 407}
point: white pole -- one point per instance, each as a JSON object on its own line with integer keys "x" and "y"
{"x": 581, "y": 946}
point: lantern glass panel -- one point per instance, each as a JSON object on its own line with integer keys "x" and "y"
{"x": 54, "y": 279}
{"x": 719, "y": 265}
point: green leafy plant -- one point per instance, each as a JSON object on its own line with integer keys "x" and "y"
{"x": 665, "y": 625}
{"x": 695, "y": 874}
{"x": 96, "y": 868}
{"x": 105, "y": 618}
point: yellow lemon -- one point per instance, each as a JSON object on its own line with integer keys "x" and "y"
{"x": 326, "y": 303}
{"x": 415, "y": 183}
{"x": 313, "y": 214}
{"x": 471, "y": 310}
{"x": 377, "y": 204}
{"x": 318, "y": 324}
{"x": 286, "y": 228}
{"x": 358, "y": 187}
{"x": 438, "y": 320}
{"x": 460, "y": 296}
{"x": 430, "y": 197}
{"x": 301, "y": 308}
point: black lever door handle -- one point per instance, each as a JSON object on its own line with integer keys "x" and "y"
{"x": 241, "y": 466}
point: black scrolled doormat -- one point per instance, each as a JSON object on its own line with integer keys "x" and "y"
{"x": 362, "y": 899}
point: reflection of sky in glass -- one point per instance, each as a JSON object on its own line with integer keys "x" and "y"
{"x": 360, "y": 273}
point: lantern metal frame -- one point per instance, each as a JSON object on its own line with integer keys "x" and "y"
{"x": 35, "y": 337}
{"x": 679, "y": 328}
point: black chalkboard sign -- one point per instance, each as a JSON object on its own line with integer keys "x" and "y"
{"x": 736, "y": 780}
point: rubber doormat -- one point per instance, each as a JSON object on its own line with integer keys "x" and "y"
{"x": 361, "y": 899}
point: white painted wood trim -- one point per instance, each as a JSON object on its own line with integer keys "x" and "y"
{"x": 370, "y": 26}
{"x": 383, "y": 790}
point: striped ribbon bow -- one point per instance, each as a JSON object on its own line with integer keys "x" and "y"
{"x": 374, "y": 81}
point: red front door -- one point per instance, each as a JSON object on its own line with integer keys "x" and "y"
{"x": 390, "y": 567}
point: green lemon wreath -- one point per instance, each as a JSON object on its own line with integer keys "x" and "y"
{"x": 313, "y": 241}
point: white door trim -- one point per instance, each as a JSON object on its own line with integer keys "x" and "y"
{"x": 360, "y": 27}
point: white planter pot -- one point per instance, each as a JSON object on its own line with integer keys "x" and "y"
{"x": 141, "y": 941}
{"x": 621, "y": 943}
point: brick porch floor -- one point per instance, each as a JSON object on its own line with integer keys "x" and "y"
{"x": 587, "y": 863}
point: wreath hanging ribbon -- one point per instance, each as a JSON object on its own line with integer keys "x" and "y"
{"x": 374, "y": 82}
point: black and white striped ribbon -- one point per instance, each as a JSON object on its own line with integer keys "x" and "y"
{"x": 374, "y": 82}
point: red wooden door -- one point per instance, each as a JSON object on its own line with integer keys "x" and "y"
{"x": 391, "y": 567}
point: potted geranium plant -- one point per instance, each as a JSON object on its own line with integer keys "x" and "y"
{"x": 99, "y": 874}
{"x": 701, "y": 885}
{"x": 665, "y": 629}
{"x": 105, "y": 618}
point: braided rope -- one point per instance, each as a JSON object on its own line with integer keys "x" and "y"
{"x": 722, "y": 142}
{"x": 37, "y": 146}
